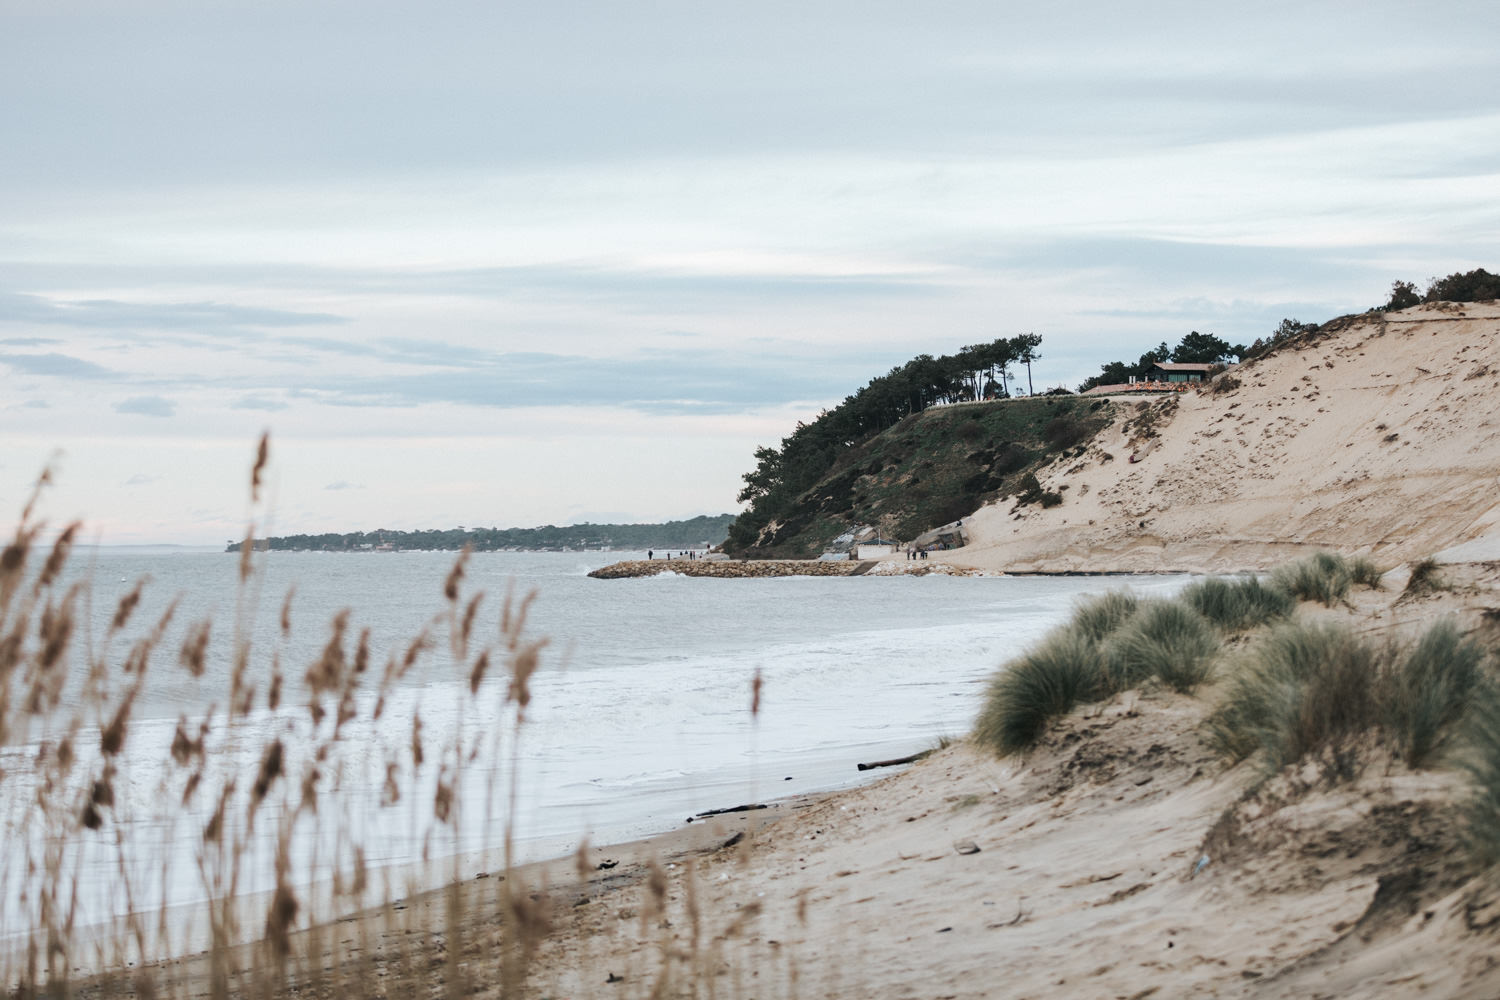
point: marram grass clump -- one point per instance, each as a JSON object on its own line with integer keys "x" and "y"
{"x": 1117, "y": 641}
{"x": 1112, "y": 643}
{"x": 1325, "y": 577}
{"x": 1097, "y": 617}
{"x": 1478, "y": 756}
{"x": 1167, "y": 640}
{"x": 1317, "y": 690}
{"x": 1429, "y": 689}
{"x": 1239, "y": 604}
{"x": 1037, "y": 687}
{"x": 1300, "y": 688}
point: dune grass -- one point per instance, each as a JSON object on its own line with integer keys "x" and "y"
{"x": 1306, "y": 687}
{"x": 1325, "y": 577}
{"x": 1112, "y": 642}
{"x": 1478, "y": 757}
{"x": 1036, "y": 687}
{"x": 1239, "y": 604}
{"x": 1095, "y": 618}
{"x": 1363, "y": 572}
{"x": 1309, "y": 689}
{"x": 1428, "y": 690}
{"x": 1425, "y": 579}
{"x": 1322, "y": 577}
{"x": 1302, "y": 687}
{"x": 1167, "y": 640}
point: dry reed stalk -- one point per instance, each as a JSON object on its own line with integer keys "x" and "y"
{"x": 39, "y": 636}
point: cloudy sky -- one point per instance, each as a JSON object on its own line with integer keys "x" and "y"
{"x": 512, "y": 263}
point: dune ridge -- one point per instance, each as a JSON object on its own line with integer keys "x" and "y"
{"x": 1378, "y": 435}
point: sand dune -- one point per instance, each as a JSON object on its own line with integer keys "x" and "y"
{"x": 1378, "y": 437}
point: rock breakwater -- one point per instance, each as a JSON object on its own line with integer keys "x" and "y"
{"x": 732, "y": 568}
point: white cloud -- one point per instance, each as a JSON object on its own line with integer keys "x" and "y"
{"x": 147, "y": 406}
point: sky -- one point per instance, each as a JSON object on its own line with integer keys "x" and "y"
{"x": 520, "y": 263}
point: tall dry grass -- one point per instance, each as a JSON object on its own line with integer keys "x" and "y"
{"x": 97, "y": 815}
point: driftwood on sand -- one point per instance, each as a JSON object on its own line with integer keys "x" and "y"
{"x": 910, "y": 758}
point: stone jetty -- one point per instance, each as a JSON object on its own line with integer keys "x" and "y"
{"x": 733, "y": 568}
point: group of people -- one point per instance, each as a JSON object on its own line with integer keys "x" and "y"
{"x": 915, "y": 551}
{"x": 687, "y": 554}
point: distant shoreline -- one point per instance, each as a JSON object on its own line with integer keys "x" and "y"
{"x": 693, "y": 533}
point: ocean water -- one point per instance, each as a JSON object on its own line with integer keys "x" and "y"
{"x": 640, "y": 713}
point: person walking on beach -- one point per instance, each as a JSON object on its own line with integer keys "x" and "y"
{"x": 650, "y": 555}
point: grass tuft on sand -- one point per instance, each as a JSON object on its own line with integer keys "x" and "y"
{"x": 1112, "y": 643}
{"x": 1037, "y": 687}
{"x": 1167, "y": 640}
{"x": 1238, "y": 605}
{"x": 1325, "y": 577}
{"x": 1478, "y": 756}
{"x": 1309, "y": 690}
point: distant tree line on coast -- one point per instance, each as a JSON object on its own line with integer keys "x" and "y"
{"x": 977, "y": 371}
{"x": 548, "y": 538}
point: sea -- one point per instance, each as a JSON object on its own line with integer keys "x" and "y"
{"x": 654, "y": 699}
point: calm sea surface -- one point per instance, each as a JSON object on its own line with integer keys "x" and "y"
{"x": 640, "y": 714}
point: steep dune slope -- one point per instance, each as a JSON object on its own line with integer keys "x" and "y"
{"x": 1379, "y": 435}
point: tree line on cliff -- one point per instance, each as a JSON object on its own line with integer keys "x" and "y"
{"x": 1477, "y": 285}
{"x": 549, "y": 538}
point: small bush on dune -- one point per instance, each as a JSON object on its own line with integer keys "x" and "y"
{"x": 1424, "y": 579}
{"x": 1237, "y": 605}
{"x": 1164, "y": 639}
{"x": 1064, "y": 432}
{"x": 1097, "y": 617}
{"x": 1037, "y": 687}
{"x": 1364, "y": 573}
